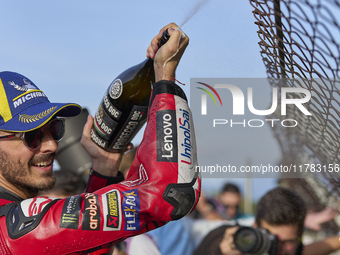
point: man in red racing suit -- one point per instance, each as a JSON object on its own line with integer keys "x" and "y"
{"x": 161, "y": 186}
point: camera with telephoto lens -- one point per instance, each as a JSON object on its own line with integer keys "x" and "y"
{"x": 256, "y": 241}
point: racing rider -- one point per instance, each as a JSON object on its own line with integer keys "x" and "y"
{"x": 162, "y": 184}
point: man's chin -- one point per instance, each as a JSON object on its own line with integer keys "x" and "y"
{"x": 49, "y": 184}
{"x": 46, "y": 183}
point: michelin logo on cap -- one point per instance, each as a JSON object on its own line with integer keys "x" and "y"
{"x": 23, "y": 102}
{"x": 26, "y": 87}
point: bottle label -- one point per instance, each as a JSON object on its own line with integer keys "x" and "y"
{"x": 103, "y": 124}
{"x": 134, "y": 122}
{"x": 97, "y": 140}
{"x": 110, "y": 109}
{"x": 116, "y": 89}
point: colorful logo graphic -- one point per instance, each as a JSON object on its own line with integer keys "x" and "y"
{"x": 91, "y": 213}
{"x": 131, "y": 208}
{"x": 70, "y": 212}
{"x": 112, "y": 210}
{"x": 204, "y": 97}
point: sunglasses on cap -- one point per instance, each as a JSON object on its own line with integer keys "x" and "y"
{"x": 32, "y": 139}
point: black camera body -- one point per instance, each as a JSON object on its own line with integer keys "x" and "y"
{"x": 256, "y": 241}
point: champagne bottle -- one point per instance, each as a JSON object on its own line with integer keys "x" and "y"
{"x": 123, "y": 109}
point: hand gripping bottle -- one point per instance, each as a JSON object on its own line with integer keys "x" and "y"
{"x": 123, "y": 109}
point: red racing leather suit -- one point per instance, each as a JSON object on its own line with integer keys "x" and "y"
{"x": 161, "y": 186}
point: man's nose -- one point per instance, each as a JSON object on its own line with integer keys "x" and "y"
{"x": 48, "y": 145}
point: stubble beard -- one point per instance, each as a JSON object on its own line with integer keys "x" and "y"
{"x": 17, "y": 173}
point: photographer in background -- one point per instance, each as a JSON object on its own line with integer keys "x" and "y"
{"x": 230, "y": 198}
{"x": 282, "y": 212}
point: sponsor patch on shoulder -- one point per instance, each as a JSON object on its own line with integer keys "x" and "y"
{"x": 70, "y": 212}
{"x": 112, "y": 210}
{"x": 91, "y": 212}
{"x": 131, "y": 208}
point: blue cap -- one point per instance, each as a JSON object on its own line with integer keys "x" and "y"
{"x": 24, "y": 107}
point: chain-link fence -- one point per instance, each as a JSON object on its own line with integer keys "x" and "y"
{"x": 300, "y": 41}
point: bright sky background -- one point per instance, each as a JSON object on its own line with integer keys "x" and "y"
{"x": 72, "y": 50}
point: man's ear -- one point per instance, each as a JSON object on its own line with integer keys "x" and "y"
{"x": 254, "y": 225}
